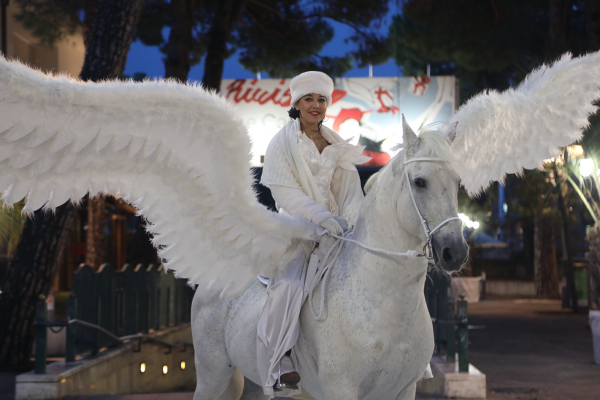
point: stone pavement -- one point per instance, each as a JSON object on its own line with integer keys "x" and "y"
{"x": 528, "y": 349}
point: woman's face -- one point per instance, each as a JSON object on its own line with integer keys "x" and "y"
{"x": 312, "y": 108}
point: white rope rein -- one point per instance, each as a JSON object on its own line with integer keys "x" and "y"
{"x": 409, "y": 253}
{"x": 323, "y": 273}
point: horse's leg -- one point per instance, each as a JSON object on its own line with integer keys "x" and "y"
{"x": 214, "y": 370}
{"x": 408, "y": 393}
{"x": 252, "y": 391}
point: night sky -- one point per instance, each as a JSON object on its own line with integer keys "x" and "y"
{"x": 149, "y": 59}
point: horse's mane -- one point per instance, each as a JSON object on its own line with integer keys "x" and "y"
{"x": 434, "y": 137}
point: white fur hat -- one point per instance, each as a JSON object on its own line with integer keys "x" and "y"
{"x": 311, "y": 82}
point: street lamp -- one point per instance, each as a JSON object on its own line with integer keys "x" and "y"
{"x": 586, "y": 167}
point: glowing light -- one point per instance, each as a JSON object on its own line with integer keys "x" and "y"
{"x": 468, "y": 222}
{"x": 586, "y": 167}
{"x": 63, "y": 380}
{"x": 576, "y": 151}
{"x": 143, "y": 367}
{"x": 165, "y": 369}
{"x": 505, "y": 207}
{"x": 183, "y": 365}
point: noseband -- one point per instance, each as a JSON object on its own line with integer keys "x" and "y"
{"x": 427, "y": 249}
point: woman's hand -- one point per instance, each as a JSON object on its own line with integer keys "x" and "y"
{"x": 332, "y": 226}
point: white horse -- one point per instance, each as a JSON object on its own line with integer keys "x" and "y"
{"x": 376, "y": 339}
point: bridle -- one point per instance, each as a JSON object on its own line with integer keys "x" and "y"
{"x": 427, "y": 249}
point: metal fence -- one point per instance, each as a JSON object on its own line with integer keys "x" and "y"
{"x": 450, "y": 319}
{"x": 106, "y": 306}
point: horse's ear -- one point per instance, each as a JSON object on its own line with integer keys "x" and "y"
{"x": 452, "y": 132}
{"x": 410, "y": 139}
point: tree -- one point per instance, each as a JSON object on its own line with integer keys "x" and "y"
{"x": 491, "y": 45}
{"x": 36, "y": 259}
{"x": 280, "y": 37}
{"x": 487, "y": 44}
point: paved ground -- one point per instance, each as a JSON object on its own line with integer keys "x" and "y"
{"x": 532, "y": 349}
{"x": 529, "y": 350}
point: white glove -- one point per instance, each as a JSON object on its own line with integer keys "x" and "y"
{"x": 332, "y": 226}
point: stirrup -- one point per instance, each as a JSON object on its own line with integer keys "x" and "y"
{"x": 281, "y": 386}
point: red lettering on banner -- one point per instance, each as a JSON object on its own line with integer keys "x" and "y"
{"x": 288, "y": 101}
{"x": 240, "y": 93}
{"x": 245, "y": 96}
{"x": 270, "y": 97}
{"x": 234, "y": 88}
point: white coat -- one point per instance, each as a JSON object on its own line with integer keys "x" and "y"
{"x": 314, "y": 186}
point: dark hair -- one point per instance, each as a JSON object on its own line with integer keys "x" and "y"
{"x": 294, "y": 113}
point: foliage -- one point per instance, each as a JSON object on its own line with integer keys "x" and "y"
{"x": 11, "y": 226}
{"x": 281, "y": 37}
{"x": 486, "y": 44}
{"x": 50, "y": 20}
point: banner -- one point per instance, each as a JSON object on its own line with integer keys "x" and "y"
{"x": 369, "y": 110}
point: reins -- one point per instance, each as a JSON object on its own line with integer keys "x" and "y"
{"x": 427, "y": 249}
{"x": 337, "y": 247}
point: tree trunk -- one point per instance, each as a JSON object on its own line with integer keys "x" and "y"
{"x": 179, "y": 47}
{"x": 592, "y": 24}
{"x": 220, "y": 30}
{"x": 30, "y": 274}
{"x": 111, "y": 37}
{"x": 114, "y": 23}
{"x": 95, "y": 233}
{"x": 558, "y": 22}
{"x": 88, "y": 21}
{"x": 593, "y": 257}
{"x": 545, "y": 266}
{"x": 568, "y": 262}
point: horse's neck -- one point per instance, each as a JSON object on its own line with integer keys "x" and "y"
{"x": 378, "y": 226}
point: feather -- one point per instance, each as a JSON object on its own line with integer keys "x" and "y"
{"x": 500, "y": 133}
{"x": 178, "y": 154}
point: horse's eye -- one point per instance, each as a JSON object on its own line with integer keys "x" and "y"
{"x": 420, "y": 183}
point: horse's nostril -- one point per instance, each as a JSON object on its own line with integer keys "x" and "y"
{"x": 446, "y": 255}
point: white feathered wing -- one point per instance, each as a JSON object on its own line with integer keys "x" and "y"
{"x": 500, "y": 133}
{"x": 177, "y": 153}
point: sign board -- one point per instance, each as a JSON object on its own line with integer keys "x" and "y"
{"x": 368, "y": 110}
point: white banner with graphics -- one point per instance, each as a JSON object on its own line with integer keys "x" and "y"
{"x": 367, "y": 109}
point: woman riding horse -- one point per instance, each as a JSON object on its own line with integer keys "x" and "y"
{"x": 310, "y": 171}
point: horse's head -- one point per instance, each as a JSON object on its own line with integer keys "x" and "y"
{"x": 425, "y": 187}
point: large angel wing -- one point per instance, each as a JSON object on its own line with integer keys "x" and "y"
{"x": 500, "y": 133}
{"x": 177, "y": 153}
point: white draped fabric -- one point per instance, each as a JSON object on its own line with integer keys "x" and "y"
{"x": 314, "y": 186}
